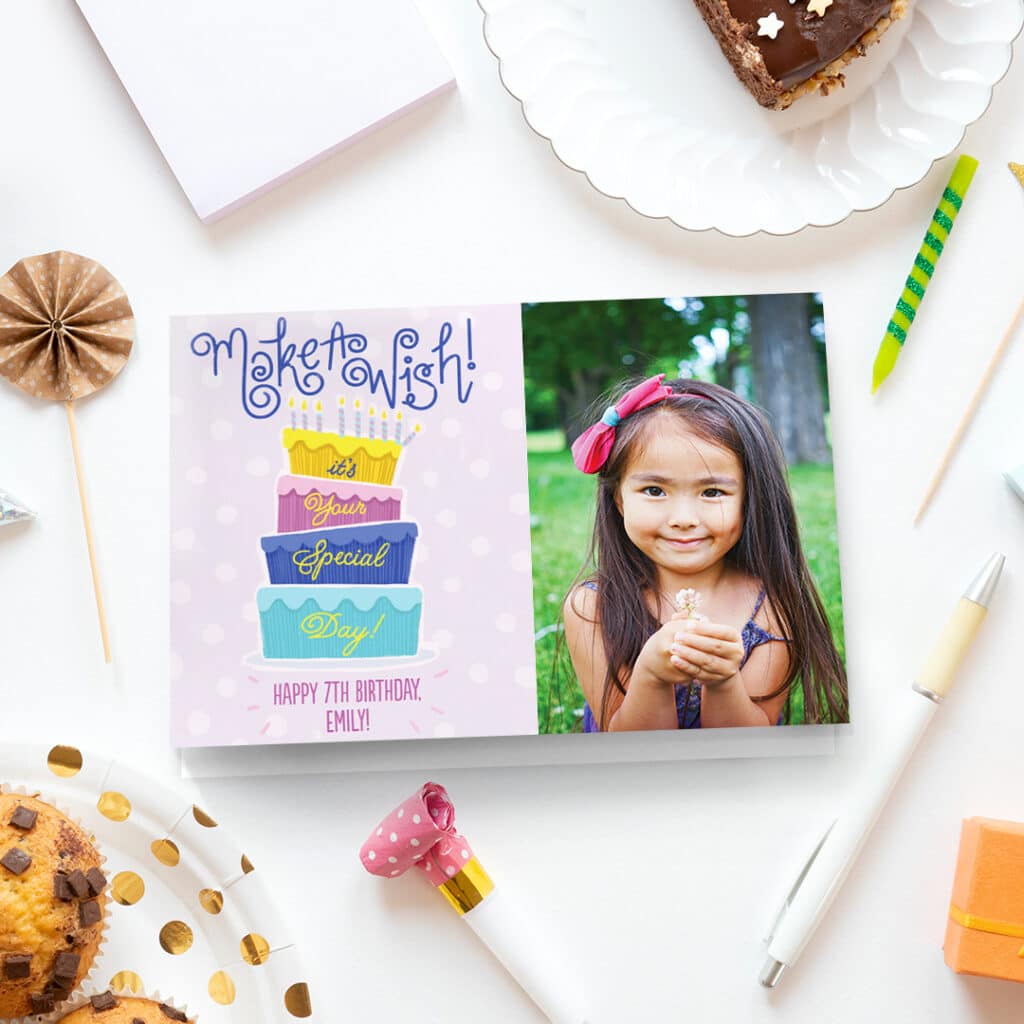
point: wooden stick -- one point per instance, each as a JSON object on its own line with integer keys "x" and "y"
{"x": 69, "y": 406}
{"x": 968, "y": 415}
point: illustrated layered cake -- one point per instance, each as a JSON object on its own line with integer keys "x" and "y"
{"x": 340, "y": 562}
{"x": 783, "y": 49}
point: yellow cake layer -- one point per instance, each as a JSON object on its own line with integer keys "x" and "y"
{"x": 333, "y": 457}
{"x": 315, "y": 440}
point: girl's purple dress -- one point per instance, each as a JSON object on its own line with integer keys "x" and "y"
{"x": 688, "y": 697}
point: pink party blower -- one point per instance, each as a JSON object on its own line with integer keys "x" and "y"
{"x": 420, "y": 833}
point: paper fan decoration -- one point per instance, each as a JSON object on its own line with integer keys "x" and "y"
{"x": 66, "y": 330}
{"x": 66, "y": 326}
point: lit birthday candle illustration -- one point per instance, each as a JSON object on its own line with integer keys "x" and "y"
{"x": 420, "y": 833}
{"x": 319, "y": 415}
{"x": 373, "y": 430}
{"x": 398, "y": 428}
{"x": 359, "y": 420}
{"x": 291, "y": 406}
{"x": 305, "y": 419}
{"x": 384, "y": 425}
{"x": 410, "y": 437}
{"x": 341, "y": 416}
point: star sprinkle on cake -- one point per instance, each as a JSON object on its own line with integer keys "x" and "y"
{"x": 769, "y": 26}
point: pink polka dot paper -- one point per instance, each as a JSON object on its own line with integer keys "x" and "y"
{"x": 419, "y": 833}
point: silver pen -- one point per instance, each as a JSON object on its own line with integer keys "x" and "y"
{"x": 830, "y": 862}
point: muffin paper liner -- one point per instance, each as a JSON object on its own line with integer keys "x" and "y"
{"x": 82, "y": 999}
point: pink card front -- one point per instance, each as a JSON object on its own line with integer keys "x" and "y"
{"x": 350, "y": 530}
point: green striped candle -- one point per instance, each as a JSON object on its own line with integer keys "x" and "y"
{"x": 924, "y": 266}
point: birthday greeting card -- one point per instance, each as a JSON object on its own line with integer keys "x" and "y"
{"x": 409, "y": 524}
{"x": 350, "y": 550}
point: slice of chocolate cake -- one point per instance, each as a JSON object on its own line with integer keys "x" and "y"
{"x": 783, "y": 49}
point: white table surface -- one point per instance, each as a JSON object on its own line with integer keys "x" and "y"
{"x": 657, "y": 880}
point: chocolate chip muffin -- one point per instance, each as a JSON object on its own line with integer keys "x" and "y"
{"x": 52, "y": 906}
{"x": 110, "y": 1009}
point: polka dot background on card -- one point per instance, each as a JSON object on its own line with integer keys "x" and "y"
{"x": 226, "y": 464}
{"x": 190, "y": 915}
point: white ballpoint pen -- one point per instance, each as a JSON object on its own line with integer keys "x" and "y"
{"x": 830, "y": 862}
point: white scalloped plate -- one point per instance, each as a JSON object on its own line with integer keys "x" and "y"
{"x": 639, "y": 98}
{"x": 240, "y": 965}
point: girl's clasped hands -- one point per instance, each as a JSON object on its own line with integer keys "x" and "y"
{"x": 704, "y": 652}
{"x": 689, "y": 648}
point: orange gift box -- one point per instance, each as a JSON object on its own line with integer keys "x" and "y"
{"x": 985, "y": 930}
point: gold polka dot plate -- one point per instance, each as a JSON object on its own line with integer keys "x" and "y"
{"x": 190, "y": 914}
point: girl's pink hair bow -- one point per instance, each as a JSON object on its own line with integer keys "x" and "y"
{"x": 591, "y": 449}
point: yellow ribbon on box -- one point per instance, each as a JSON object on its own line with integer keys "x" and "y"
{"x": 987, "y": 924}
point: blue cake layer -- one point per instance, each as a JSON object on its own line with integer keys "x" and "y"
{"x": 367, "y": 554}
{"x": 339, "y": 622}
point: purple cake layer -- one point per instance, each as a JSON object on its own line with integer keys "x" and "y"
{"x": 371, "y": 554}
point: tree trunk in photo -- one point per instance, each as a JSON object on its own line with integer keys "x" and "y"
{"x": 727, "y": 376}
{"x": 578, "y": 391}
{"x": 785, "y": 375}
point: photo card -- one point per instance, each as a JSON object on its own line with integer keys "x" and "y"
{"x": 481, "y": 521}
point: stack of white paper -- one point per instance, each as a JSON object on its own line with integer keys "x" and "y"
{"x": 242, "y": 94}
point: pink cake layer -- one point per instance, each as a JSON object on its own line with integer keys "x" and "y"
{"x": 313, "y": 503}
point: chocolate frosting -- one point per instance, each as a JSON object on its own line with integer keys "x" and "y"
{"x": 806, "y": 43}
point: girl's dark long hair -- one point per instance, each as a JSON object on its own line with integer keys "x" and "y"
{"x": 768, "y": 549}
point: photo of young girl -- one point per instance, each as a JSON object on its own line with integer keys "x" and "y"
{"x": 694, "y": 605}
